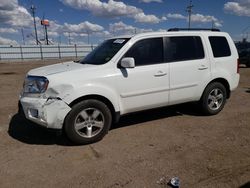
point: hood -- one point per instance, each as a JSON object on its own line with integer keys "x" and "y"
{"x": 57, "y": 68}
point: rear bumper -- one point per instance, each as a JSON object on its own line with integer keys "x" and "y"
{"x": 234, "y": 82}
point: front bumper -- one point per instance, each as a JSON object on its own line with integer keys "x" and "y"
{"x": 49, "y": 113}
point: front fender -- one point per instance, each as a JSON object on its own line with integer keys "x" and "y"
{"x": 93, "y": 89}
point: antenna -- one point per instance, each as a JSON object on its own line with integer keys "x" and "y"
{"x": 33, "y": 9}
{"x": 190, "y": 11}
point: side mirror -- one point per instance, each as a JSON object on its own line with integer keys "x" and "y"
{"x": 128, "y": 62}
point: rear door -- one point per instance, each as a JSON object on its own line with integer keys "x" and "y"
{"x": 189, "y": 67}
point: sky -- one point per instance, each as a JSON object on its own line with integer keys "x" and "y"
{"x": 92, "y": 21}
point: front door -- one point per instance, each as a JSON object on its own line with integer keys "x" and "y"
{"x": 147, "y": 85}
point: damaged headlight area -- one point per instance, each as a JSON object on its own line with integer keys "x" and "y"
{"x": 35, "y": 84}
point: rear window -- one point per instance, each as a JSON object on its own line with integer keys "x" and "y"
{"x": 183, "y": 48}
{"x": 220, "y": 46}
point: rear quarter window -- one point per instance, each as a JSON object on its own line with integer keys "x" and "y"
{"x": 220, "y": 46}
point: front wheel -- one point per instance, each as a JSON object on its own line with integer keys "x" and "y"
{"x": 213, "y": 98}
{"x": 88, "y": 122}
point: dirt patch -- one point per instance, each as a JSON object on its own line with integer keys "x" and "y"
{"x": 203, "y": 151}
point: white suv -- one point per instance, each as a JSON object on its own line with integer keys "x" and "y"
{"x": 128, "y": 74}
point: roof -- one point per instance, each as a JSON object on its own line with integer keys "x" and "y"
{"x": 173, "y": 31}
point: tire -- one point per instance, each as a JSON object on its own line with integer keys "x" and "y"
{"x": 213, "y": 98}
{"x": 88, "y": 122}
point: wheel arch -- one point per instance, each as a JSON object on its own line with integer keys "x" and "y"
{"x": 224, "y": 82}
{"x": 115, "y": 115}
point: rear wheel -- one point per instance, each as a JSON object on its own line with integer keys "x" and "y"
{"x": 88, "y": 122}
{"x": 213, "y": 98}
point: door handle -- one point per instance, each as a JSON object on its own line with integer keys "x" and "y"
{"x": 160, "y": 73}
{"x": 203, "y": 67}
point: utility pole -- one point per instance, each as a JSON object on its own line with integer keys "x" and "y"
{"x": 59, "y": 39}
{"x": 46, "y": 34}
{"x": 189, "y": 10}
{"x": 23, "y": 36}
{"x": 45, "y": 24}
{"x": 212, "y": 24}
{"x": 88, "y": 36}
{"x": 69, "y": 39}
{"x": 33, "y": 9}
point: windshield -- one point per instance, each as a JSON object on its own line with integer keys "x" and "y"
{"x": 104, "y": 52}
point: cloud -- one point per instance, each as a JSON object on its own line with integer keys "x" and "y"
{"x": 53, "y": 34}
{"x": 14, "y": 15}
{"x": 164, "y": 18}
{"x": 239, "y": 8}
{"x": 120, "y": 28}
{"x": 98, "y": 8}
{"x": 150, "y": 1}
{"x": 7, "y": 41}
{"x": 197, "y": 18}
{"x": 7, "y": 5}
{"x": 176, "y": 16}
{"x": 84, "y": 27}
{"x": 206, "y": 19}
{"x": 112, "y": 9}
{"x": 8, "y": 30}
{"x": 75, "y": 31}
{"x": 142, "y": 18}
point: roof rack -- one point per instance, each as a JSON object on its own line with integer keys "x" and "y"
{"x": 193, "y": 29}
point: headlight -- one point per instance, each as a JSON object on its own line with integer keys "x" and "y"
{"x": 35, "y": 84}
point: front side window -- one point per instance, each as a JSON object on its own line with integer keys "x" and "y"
{"x": 104, "y": 52}
{"x": 147, "y": 51}
{"x": 220, "y": 46}
{"x": 183, "y": 48}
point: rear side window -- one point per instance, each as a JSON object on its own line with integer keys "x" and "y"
{"x": 220, "y": 46}
{"x": 147, "y": 51}
{"x": 183, "y": 48}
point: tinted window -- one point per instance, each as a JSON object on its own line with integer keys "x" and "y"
{"x": 104, "y": 52}
{"x": 147, "y": 51}
{"x": 220, "y": 46}
{"x": 183, "y": 48}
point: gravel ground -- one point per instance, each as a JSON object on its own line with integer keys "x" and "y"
{"x": 142, "y": 150}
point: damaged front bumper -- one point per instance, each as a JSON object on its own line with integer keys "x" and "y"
{"x": 49, "y": 113}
